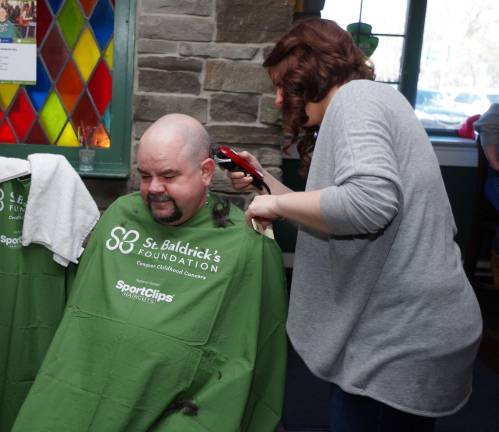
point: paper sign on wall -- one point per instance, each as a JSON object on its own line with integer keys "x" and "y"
{"x": 18, "y": 41}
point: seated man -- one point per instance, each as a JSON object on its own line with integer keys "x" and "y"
{"x": 176, "y": 320}
{"x": 488, "y": 128}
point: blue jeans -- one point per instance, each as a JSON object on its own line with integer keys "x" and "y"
{"x": 492, "y": 188}
{"x": 352, "y": 413}
{"x": 492, "y": 194}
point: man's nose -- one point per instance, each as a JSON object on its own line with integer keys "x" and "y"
{"x": 156, "y": 186}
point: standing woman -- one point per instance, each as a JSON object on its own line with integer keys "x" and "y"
{"x": 380, "y": 306}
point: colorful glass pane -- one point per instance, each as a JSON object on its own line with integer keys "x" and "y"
{"x": 54, "y": 52}
{"x": 43, "y": 20}
{"x": 53, "y": 117}
{"x": 55, "y": 5}
{"x": 68, "y": 137}
{"x": 37, "y": 136}
{"x": 39, "y": 93}
{"x": 102, "y": 22}
{"x": 108, "y": 55}
{"x": 71, "y": 21}
{"x": 6, "y": 134}
{"x": 87, "y": 6}
{"x": 73, "y": 77}
{"x": 101, "y": 138}
{"x": 86, "y": 54}
{"x": 106, "y": 119}
{"x": 84, "y": 116}
{"x": 7, "y": 93}
{"x": 21, "y": 115}
{"x": 100, "y": 87}
{"x": 69, "y": 86}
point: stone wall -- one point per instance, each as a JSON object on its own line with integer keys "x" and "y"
{"x": 203, "y": 58}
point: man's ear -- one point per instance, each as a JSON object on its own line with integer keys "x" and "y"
{"x": 207, "y": 170}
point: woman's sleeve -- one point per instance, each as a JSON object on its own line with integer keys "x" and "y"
{"x": 366, "y": 194}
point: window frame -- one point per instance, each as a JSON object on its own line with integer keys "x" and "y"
{"x": 113, "y": 162}
{"x": 411, "y": 57}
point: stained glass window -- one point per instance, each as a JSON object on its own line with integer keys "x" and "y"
{"x": 74, "y": 78}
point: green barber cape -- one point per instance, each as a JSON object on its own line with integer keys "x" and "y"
{"x": 167, "y": 329}
{"x": 32, "y": 299}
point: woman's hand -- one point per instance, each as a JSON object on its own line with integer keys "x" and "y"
{"x": 241, "y": 181}
{"x": 263, "y": 209}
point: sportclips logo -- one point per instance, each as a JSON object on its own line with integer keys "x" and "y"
{"x": 11, "y": 242}
{"x": 144, "y": 294}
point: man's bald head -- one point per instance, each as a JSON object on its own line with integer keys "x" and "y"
{"x": 178, "y": 129}
{"x": 175, "y": 168}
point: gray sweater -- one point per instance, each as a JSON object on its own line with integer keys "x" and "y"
{"x": 383, "y": 307}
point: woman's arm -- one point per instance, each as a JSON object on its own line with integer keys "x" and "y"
{"x": 362, "y": 205}
{"x": 300, "y": 207}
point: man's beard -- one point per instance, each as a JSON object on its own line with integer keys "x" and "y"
{"x": 174, "y": 216}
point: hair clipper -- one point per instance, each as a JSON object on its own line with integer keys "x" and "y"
{"x": 230, "y": 160}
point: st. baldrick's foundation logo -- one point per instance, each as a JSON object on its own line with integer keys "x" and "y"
{"x": 174, "y": 252}
{"x": 15, "y": 204}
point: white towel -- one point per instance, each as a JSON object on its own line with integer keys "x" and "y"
{"x": 11, "y": 168}
{"x": 60, "y": 212}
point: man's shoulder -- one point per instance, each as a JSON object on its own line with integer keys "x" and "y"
{"x": 236, "y": 214}
{"x": 238, "y": 219}
{"x": 129, "y": 197}
{"x": 123, "y": 207}
{"x": 125, "y": 201}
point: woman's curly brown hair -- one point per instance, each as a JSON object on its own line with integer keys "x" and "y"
{"x": 314, "y": 56}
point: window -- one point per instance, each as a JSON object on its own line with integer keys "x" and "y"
{"x": 439, "y": 53}
{"x": 83, "y": 87}
{"x": 388, "y": 28}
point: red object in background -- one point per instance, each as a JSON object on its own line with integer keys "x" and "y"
{"x": 6, "y": 134}
{"x": 466, "y": 129}
{"x": 21, "y": 115}
{"x": 100, "y": 87}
